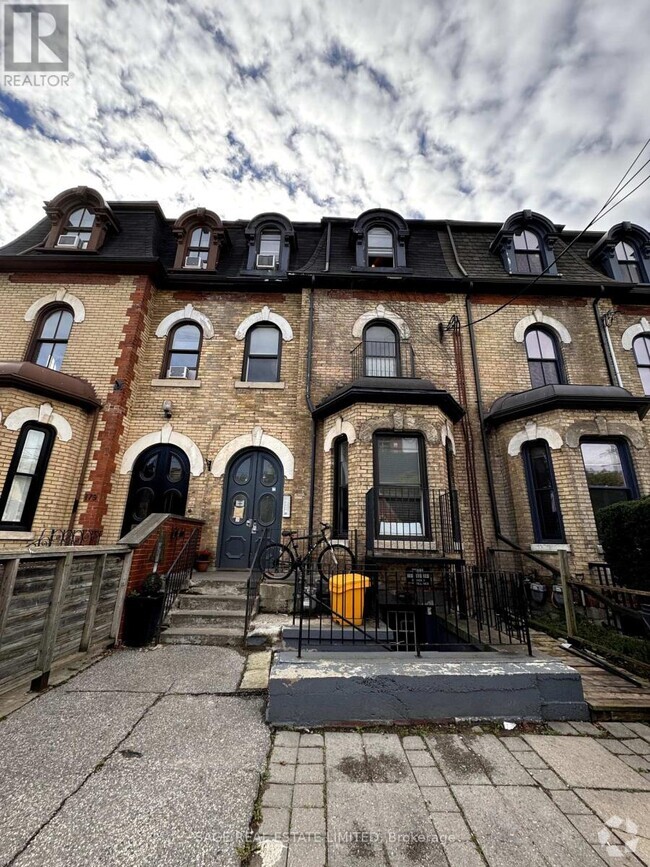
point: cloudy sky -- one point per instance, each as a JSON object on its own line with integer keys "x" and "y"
{"x": 435, "y": 108}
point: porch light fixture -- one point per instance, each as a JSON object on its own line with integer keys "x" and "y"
{"x": 167, "y": 408}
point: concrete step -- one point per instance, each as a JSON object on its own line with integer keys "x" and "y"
{"x": 214, "y": 581}
{"x": 207, "y": 617}
{"x": 202, "y": 601}
{"x": 204, "y": 635}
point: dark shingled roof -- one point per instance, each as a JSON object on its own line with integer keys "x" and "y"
{"x": 535, "y": 400}
{"x": 321, "y": 247}
{"x": 373, "y": 389}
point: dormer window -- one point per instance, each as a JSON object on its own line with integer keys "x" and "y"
{"x": 525, "y": 244}
{"x": 380, "y": 238}
{"x": 381, "y": 253}
{"x": 627, "y": 262}
{"x": 624, "y": 253}
{"x": 528, "y": 258}
{"x": 80, "y": 220}
{"x": 200, "y": 238}
{"x": 270, "y": 241}
{"x": 198, "y": 249}
{"x": 78, "y": 230}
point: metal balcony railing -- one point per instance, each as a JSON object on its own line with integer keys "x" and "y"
{"x": 382, "y": 359}
{"x": 405, "y": 518}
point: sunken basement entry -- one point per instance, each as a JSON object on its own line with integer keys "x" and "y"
{"x": 413, "y": 645}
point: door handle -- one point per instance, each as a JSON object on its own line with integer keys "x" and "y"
{"x": 254, "y": 529}
{"x": 249, "y": 523}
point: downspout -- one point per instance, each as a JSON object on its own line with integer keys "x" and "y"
{"x": 488, "y": 466}
{"x": 310, "y": 406}
{"x": 84, "y": 467}
{"x": 606, "y": 343}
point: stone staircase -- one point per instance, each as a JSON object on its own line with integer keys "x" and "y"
{"x": 212, "y": 612}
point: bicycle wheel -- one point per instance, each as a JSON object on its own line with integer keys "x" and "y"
{"x": 277, "y": 561}
{"x": 334, "y": 560}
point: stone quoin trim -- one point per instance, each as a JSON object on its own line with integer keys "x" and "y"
{"x": 44, "y": 414}
{"x": 539, "y": 318}
{"x": 61, "y": 296}
{"x": 629, "y": 335}
{"x": 380, "y": 312}
{"x": 187, "y": 314}
{"x": 166, "y": 436}
{"x": 340, "y": 428}
{"x": 602, "y": 427}
{"x": 532, "y": 432}
{"x": 116, "y": 404}
{"x": 255, "y": 439}
{"x": 265, "y": 315}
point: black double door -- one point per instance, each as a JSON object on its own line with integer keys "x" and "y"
{"x": 252, "y": 503}
{"x": 159, "y": 483}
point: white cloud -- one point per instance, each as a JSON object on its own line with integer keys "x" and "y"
{"x": 462, "y": 110}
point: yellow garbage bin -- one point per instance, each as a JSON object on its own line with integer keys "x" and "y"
{"x": 347, "y": 597}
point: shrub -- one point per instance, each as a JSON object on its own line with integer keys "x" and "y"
{"x": 624, "y": 530}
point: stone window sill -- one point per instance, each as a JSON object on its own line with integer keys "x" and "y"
{"x": 16, "y": 536}
{"x": 549, "y": 547}
{"x": 176, "y": 383}
{"x": 259, "y": 384}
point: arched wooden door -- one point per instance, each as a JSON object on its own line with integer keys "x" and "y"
{"x": 252, "y": 502}
{"x": 159, "y": 483}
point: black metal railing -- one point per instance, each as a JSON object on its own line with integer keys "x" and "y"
{"x": 409, "y": 518}
{"x": 383, "y": 359}
{"x": 179, "y": 575}
{"x": 457, "y": 609}
{"x": 253, "y": 582}
{"x": 57, "y": 537}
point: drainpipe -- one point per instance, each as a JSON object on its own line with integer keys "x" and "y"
{"x": 84, "y": 467}
{"x": 488, "y": 466}
{"x": 310, "y": 405}
{"x": 606, "y": 342}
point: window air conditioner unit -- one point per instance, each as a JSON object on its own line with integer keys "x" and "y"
{"x": 195, "y": 262}
{"x": 74, "y": 241}
{"x": 266, "y": 262}
{"x": 178, "y": 373}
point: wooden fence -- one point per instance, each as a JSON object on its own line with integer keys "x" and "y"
{"x": 56, "y": 603}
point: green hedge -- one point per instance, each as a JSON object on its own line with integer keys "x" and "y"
{"x": 624, "y": 531}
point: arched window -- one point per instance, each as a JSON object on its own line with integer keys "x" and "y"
{"x": 628, "y": 262}
{"x": 542, "y": 492}
{"x": 381, "y": 248}
{"x": 544, "y": 359}
{"x": 78, "y": 229}
{"x": 22, "y": 487}
{"x": 183, "y": 352}
{"x": 340, "y": 522}
{"x": 51, "y": 337}
{"x": 262, "y": 355}
{"x": 528, "y": 256}
{"x": 381, "y": 350}
{"x": 270, "y": 238}
{"x": 641, "y": 347}
{"x": 198, "y": 248}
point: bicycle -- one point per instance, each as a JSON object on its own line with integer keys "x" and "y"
{"x": 279, "y": 561}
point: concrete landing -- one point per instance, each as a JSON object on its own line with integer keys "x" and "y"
{"x": 344, "y": 689}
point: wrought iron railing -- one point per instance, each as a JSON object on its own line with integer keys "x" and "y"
{"x": 58, "y": 537}
{"x": 179, "y": 574}
{"x": 457, "y": 608}
{"x": 253, "y": 582}
{"x": 409, "y": 518}
{"x": 382, "y": 359}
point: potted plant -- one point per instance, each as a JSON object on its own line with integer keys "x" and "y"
{"x": 202, "y": 560}
{"x": 142, "y": 612}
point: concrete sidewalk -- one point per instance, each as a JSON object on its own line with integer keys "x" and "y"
{"x": 574, "y": 798}
{"x": 148, "y": 758}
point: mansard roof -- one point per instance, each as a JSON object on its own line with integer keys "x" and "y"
{"x": 438, "y": 250}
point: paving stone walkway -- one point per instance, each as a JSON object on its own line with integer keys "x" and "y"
{"x": 579, "y": 796}
{"x": 148, "y": 758}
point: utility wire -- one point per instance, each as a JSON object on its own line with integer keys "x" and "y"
{"x": 608, "y": 206}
